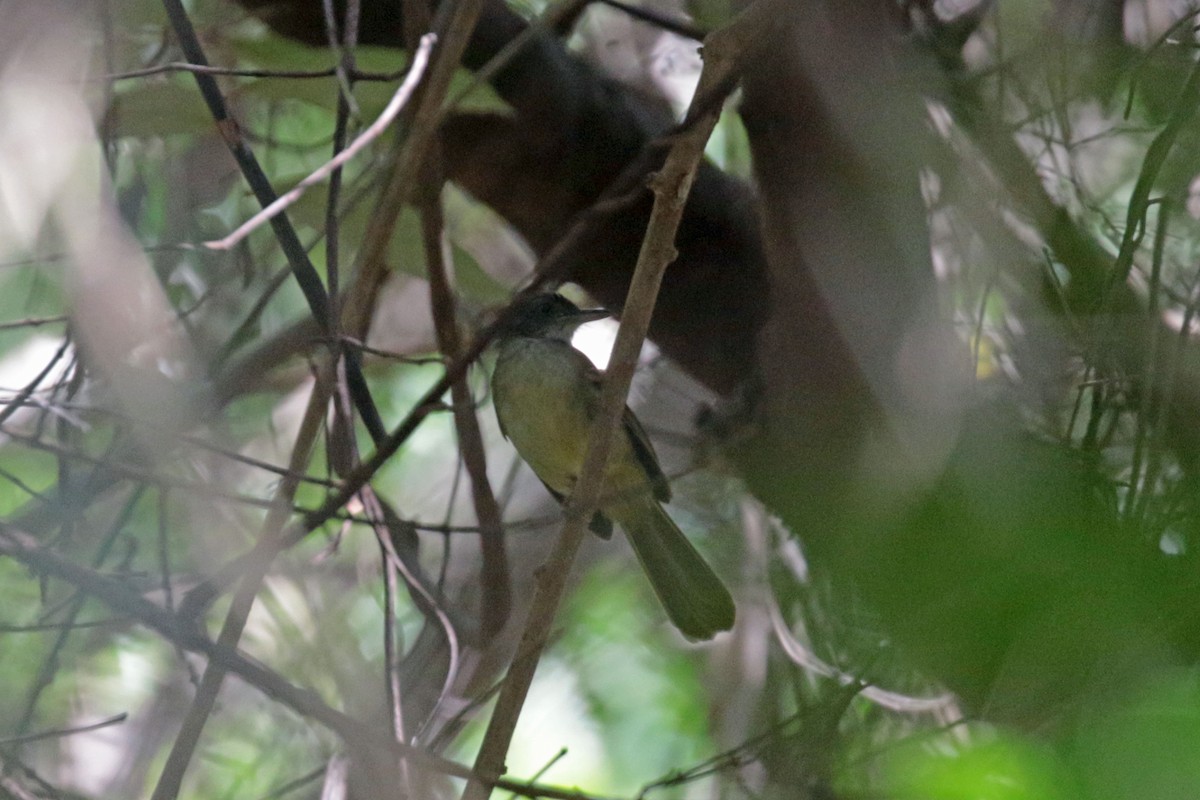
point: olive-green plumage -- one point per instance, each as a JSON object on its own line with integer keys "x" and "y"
{"x": 546, "y": 395}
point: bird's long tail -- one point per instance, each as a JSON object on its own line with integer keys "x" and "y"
{"x": 694, "y": 597}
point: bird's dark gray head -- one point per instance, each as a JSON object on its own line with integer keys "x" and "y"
{"x": 549, "y": 316}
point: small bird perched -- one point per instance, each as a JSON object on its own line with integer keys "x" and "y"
{"x": 546, "y": 395}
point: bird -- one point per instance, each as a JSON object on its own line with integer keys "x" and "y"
{"x": 546, "y": 395}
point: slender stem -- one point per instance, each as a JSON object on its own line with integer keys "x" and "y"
{"x": 398, "y": 189}
{"x": 496, "y": 597}
{"x": 289, "y": 242}
{"x": 185, "y": 743}
{"x": 671, "y": 186}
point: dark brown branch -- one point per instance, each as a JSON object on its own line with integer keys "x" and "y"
{"x": 496, "y": 597}
{"x": 297, "y": 257}
{"x": 671, "y": 186}
{"x": 673, "y": 25}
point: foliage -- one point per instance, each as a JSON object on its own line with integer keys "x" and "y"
{"x": 156, "y": 388}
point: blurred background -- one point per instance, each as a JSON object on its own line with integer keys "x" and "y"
{"x": 923, "y": 377}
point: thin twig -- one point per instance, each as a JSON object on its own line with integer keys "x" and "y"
{"x": 116, "y": 719}
{"x": 184, "y": 746}
{"x": 562, "y": 752}
{"x": 164, "y": 550}
{"x": 45, "y": 627}
{"x": 345, "y": 107}
{"x": 426, "y": 601}
{"x": 32, "y": 322}
{"x": 18, "y": 400}
{"x": 803, "y": 657}
{"x": 671, "y": 186}
{"x": 376, "y": 128}
{"x": 454, "y": 32}
{"x": 416, "y": 361}
{"x": 165, "y": 430}
{"x": 24, "y": 487}
{"x": 496, "y": 597}
{"x": 1147, "y": 402}
{"x": 819, "y": 721}
{"x": 344, "y": 47}
{"x": 128, "y": 471}
{"x": 74, "y": 605}
{"x": 534, "y": 791}
{"x": 1156, "y": 156}
{"x": 391, "y": 671}
{"x": 298, "y": 74}
{"x": 289, "y": 242}
{"x": 650, "y": 17}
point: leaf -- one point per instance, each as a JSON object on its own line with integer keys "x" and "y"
{"x": 1006, "y": 768}
{"x": 271, "y": 52}
{"x": 467, "y": 95}
{"x": 474, "y": 283}
{"x": 711, "y": 14}
{"x": 729, "y": 145}
{"x": 162, "y": 108}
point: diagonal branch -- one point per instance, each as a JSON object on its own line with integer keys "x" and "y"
{"x": 671, "y": 186}
{"x": 185, "y": 743}
{"x": 399, "y": 99}
{"x": 297, "y": 256}
{"x": 398, "y": 189}
{"x": 26, "y": 549}
{"x": 496, "y": 599}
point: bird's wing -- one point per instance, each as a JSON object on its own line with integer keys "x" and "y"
{"x": 643, "y": 450}
{"x": 599, "y": 524}
{"x": 646, "y": 456}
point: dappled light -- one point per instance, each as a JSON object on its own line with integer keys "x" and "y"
{"x": 599, "y": 399}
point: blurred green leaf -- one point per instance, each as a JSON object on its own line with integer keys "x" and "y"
{"x": 475, "y": 284}
{"x": 1146, "y": 745}
{"x": 646, "y": 694}
{"x": 729, "y": 146}
{"x": 1004, "y": 768}
{"x": 711, "y": 14}
{"x": 160, "y": 108}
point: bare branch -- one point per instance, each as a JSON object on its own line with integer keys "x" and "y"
{"x": 496, "y": 597}
{"x": 297, "y": 257}
{"x": 171, "y": 779}
{"x": 403, "y": 93}
{"x": 116, "y": 719}
{"x": 671, "y": 186}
